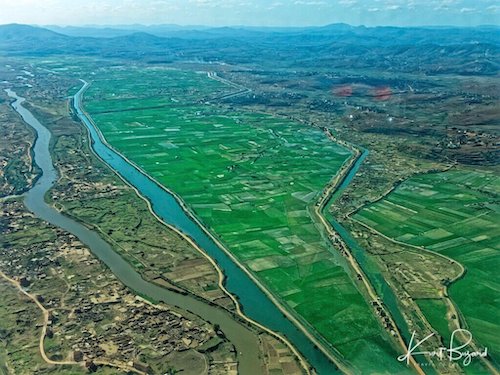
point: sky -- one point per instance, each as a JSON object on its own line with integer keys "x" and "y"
{"x": 251, "y": 12}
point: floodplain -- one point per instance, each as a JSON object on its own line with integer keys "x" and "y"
{"x": 251, "y": 179}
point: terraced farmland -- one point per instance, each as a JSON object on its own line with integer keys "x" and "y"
{"x": 456, "y": 214}
{"x": 251, "y": 179}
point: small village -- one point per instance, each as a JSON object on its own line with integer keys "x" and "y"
{"x": 93, "y": 319}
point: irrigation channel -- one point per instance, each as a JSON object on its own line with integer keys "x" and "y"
{"x": 367, "y": 264}
{"x": 255, "y": 303}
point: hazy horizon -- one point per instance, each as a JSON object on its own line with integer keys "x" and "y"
{"x": 275, "y": 13}
{"x": 194, "y": 27}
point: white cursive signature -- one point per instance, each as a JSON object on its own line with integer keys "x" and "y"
{"x": 453, "y": 353}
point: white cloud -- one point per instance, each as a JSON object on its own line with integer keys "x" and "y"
{"x": 348, "y": 3}
{"x": 275, "y": 5}
{"x": 311, "y": 2}
{"x": 494, "y": 8}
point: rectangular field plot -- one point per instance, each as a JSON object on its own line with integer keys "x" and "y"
{"x": 251, "y": 178}
{"x": 460, "y": 219}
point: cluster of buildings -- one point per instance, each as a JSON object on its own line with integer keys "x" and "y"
{"x": 93, "y": 318}
{"x": 472, "y": 147}
{"x": 164, "y": 331}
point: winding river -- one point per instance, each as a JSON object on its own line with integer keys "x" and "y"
{"x": 256, "y": 304}
{"x": 242, "y": 337}
{"x": 254, "y": 301}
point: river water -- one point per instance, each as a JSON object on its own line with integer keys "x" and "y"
{"x": 367, "y": 264}
{"x": 240, "y": 336}
{"x": 253, "y": 300}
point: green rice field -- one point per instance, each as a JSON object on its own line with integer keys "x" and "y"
{"x": 435, "y": 312}
{"x": 251, "y": 179}
{"x": 455, "y": 213}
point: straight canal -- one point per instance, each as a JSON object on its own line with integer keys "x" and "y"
{"x": 253, "y": 300}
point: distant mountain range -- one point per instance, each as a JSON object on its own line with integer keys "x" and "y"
{"x": 431, "y": 50}
{"x": 443, "y": 34}
{"x": 121, "y": 30}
